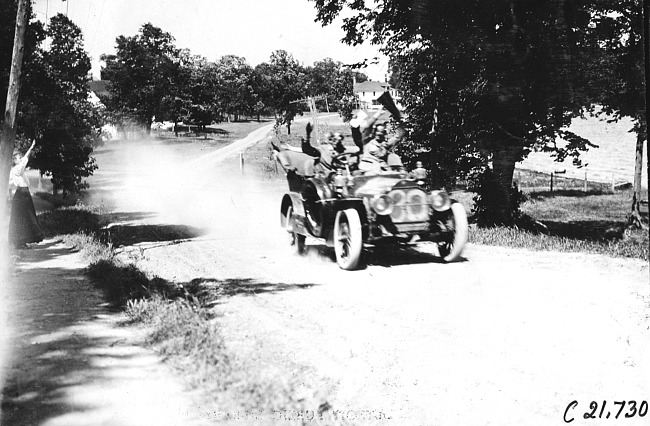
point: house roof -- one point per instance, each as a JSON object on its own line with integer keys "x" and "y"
{"x": 371, "y": 86}
{"x": 99, "y": 87}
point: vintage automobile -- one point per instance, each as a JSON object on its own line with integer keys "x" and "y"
{"x": 349, "y": 208}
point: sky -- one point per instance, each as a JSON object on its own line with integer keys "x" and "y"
{"x": 213, "y": 28}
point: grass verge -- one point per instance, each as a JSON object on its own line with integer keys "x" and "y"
{"x": 635, "y": 246}
{"x": 569, "y": 221}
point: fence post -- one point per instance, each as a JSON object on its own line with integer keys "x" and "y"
{"x": 585, "y": 185}
{"x": 613, "y": 183}
{"x": 551, "y": 181}
{"x": 241, "y": 162}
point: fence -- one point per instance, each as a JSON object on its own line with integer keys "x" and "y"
{"x": 557, "y": 180}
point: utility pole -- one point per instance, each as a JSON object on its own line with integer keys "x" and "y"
{"x": 8, "y": 136}
{"x": 646, "y": 62}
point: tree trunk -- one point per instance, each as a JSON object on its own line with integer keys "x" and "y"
{"x": 148, "y": 129}
{"x": 635, "y": 214}
{"x": 503, "y": 166}
{"x": 646, "y": 67}
{"x": 9, "y": 119}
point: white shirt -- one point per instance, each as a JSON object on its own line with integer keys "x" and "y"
{"x": 17, "y": 176}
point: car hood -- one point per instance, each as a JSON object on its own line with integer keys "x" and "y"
{"x": 377, "y": 185}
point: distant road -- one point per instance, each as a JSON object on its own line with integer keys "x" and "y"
{"x": 240, "y": 145}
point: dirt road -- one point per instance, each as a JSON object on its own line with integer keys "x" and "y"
{"x": 503, "y": 337}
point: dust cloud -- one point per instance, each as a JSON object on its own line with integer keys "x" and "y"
{"x": 186, "y": 185}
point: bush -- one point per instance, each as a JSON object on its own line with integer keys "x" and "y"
{"x": 122, "y": 283}
{"x": 69, "y": 220}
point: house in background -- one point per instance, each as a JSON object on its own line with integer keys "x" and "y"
{"x": 98, "y": 91}
{"x": 367, "y": 93}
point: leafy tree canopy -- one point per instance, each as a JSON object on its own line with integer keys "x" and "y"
{"x": 484, "y": 82}
{"x": 56, "y": 109}
{"x": 143, "y": 75}
{"x": 335, "y": 81}
{"x": 281, "y": 82}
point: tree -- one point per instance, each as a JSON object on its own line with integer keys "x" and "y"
{"x": 484, "y": 82}
{"x": 618, "y": 28}
{"x": 196, "y": 101}
{"x": 335, "y": 81}
{"x": 56, "y": 109}
{"x": 235, "y": 90}
{"x": 280, "y": 83}
{"x": 143, "y": 75}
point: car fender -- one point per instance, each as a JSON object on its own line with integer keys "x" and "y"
{"x": 344, "y": 204}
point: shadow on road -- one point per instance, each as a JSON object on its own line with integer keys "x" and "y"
{"x": 51, "y": 349}
{"x": 386, "y": 256}
{"x": 127, "y": 235}
{"x": 212, "y": 291}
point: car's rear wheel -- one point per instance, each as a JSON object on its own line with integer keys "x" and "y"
{"x": 296, "y": 241}
{"x": 347, "y": 239}
{"x": 451, "y": 249}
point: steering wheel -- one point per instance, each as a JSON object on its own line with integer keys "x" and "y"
{"x": 343, "y": 159}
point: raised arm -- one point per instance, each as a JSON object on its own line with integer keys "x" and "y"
{"x": 397, "y": 138}
{"x": 31, "y": 148}
{"x": 306, "y": 145}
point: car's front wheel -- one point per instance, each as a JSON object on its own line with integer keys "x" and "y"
{"x": 347, "y": 239}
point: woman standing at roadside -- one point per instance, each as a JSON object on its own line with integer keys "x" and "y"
{"x": 23, "y": 225}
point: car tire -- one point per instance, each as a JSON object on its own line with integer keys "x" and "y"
{"x": 296, "y": 241}
{"x": 348, "y": 239}
{"x": 451, "y": 251}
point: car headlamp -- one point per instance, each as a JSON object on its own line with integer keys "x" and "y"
{"x": 382, "y": 204}
{"x": 440, "y": 201}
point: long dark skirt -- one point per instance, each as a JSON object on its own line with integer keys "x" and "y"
{"x": 23, "y": 225}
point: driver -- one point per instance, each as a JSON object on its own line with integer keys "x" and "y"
{"x": 377, "y": 151}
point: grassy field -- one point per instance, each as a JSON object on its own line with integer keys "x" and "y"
{"x": 217, "y": 135}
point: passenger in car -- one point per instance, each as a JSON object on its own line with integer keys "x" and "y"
{"x": 326, "y": 151}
